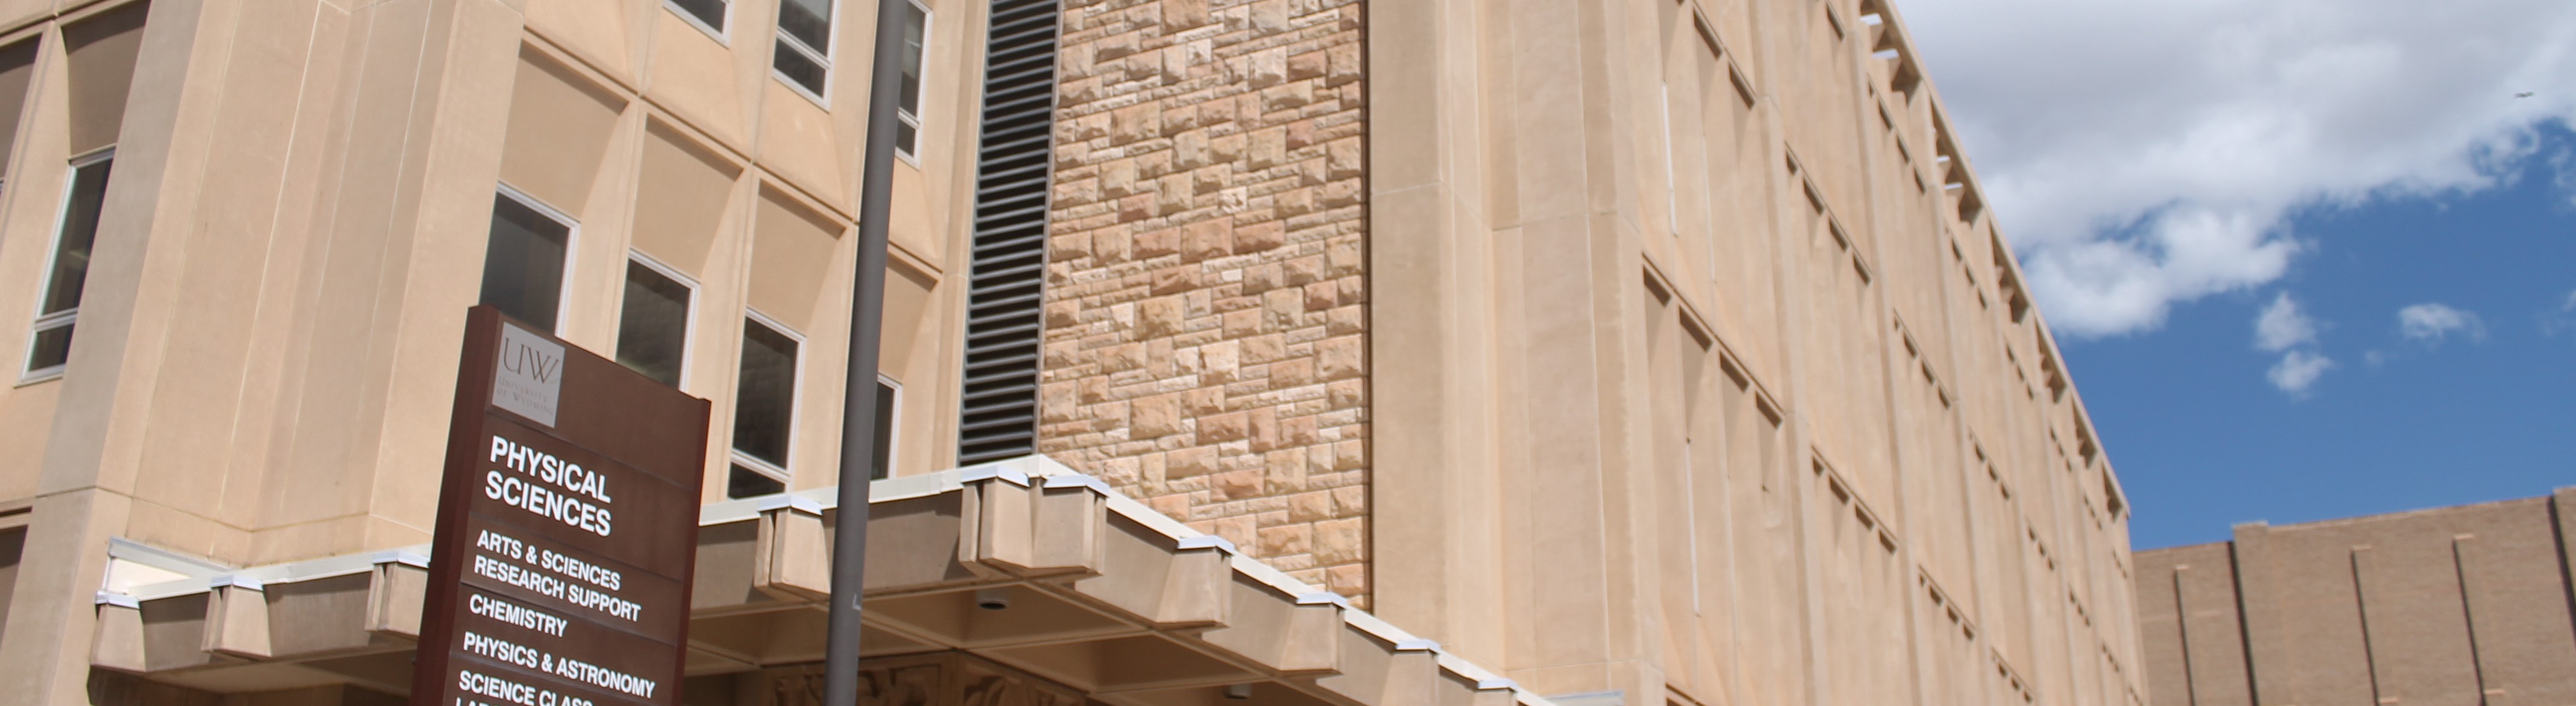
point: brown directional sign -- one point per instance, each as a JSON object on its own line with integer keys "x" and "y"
{"x": 567, "y": 529}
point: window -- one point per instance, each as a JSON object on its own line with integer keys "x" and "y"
{"x": 59, "y": 304}
{"x": 804, "y": 54}
{"x": 653, "y": 325}
{"x": 13, "y": 546}
{"x": 764, "y": 410}
{"x": 907, "y": 106}
{"x": 708, "y": 15}
{"x": 1672, "y": 183}
{"x": 745, "y": 482}
{"x": 888, "y": 392}
{"x": 523, "y": 269}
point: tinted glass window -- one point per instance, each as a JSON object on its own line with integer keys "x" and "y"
{"x": 804, "y": 53}
{"x": 53, "y": 346}
{"x": 885, "y": 431}
{"x": 58, "y": 305}
{"x": 710, "y": 12}
{"x": 807, "y": 21}
{"x": 72, "y": 246}
{"x": 653, "y": 327}
{"x": 744, "y": 483}
{"x": 765, "y": 402}
{"x": 523, "y": 268}
{"x": 802, "y": 69}
{"x": 916, "y": 25}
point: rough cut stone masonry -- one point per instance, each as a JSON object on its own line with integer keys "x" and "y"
{"x": 1205, "y": 320}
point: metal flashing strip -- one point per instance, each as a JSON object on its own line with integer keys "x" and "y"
{"x": 1383, "y": 630}
{"x": 407, "y": 557}
{"x": 1468, "y": 671}
{"x": 1264, "y": 573}
{"x": 1035, "y": 473}
{"x": 257, "y": 578}
{"x": 1591, "y": 698}
{"x": 1141, "y": 514}
{"x": 729, "y": 511}
{"x": 789, "y": 502}
{"x": 163, "y": 559}
{"x": 1042, "y": 472}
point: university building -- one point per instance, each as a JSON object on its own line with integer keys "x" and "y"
{"x": 2454, "y": 605}
{"x": 1297, "y": 352}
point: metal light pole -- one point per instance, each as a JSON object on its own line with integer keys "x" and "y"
{"x": 859, "y": 395}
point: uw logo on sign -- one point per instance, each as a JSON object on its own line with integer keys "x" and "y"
{"x": 529, "y": 378}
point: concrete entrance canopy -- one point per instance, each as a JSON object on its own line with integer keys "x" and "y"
{"x": 1021, "y": 562}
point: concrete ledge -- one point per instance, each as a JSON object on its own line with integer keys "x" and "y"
{"x": 1021, "y": 562}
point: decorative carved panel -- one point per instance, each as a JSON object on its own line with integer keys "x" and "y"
{"x": 944, "y": 679}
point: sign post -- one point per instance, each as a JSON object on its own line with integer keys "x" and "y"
{"x": 567, "y": 529}
{"x": 859, "y": 398}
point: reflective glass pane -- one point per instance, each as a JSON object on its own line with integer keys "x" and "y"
{"x": 915, "y": 23}
{"x": 885, "y": 431}
{"x": 802, "y": 69}
{"x": 904, "y": 134}
{"x": 711, "y": 12}
{"x": 765, "y": 403}
{"x": 80, "y": 230}
{"x": 52, "y": 347}
{"x": 809, "y": 21}
{"x": 653, "y": 328}
{"x": 745, "y": 483}
{"x": 524, "y": 266}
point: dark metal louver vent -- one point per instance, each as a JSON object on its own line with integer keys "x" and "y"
{"x": 1007, "y": 284}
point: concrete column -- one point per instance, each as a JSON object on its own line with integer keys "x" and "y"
{"x": 86, "y": 481}
{"x": 1564, "y": 214}
{"x": 1437, "y": 553}
{"x": 2266, "y": 638}
{"x": 1788, "y": 218}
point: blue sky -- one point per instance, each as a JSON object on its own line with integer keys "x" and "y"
{"x": 2203, "y": 437}
{"x": 2307, "y": 258}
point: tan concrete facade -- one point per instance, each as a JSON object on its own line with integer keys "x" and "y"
{"x": 1393, "y": 352}
{"x": 1696, "y": 369}
{"x": 302, "y": 190}
{"x": 2460, "y": 605}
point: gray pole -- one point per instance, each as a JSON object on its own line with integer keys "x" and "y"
{"x": 859, "y": 395}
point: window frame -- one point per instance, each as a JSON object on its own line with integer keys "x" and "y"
{"x": 572, "y": 248}
{"x": 893, "y": 424}
{"x": 40, "y": 321}
{"x": 688, "y": 321}
{"x": 784, "y": 473}
{"x": 721, "y": 35}
{"x": 911, "y": 154}
{"x": 831, "y": 35}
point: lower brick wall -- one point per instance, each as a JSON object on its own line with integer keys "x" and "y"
{"x": 1206, "y": 314}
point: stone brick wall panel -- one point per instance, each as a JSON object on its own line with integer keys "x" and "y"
{"x": 1205, "y": 325}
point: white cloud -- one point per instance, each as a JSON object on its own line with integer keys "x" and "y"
{"x": 2563, "y": 319}
{"x": 2298, "y": 370}
{"x": 2282, "y": 325}
{"x": 2431, "y": 322}
{"x": 2143, "y": 154}
{"x": 2282, "y": 328}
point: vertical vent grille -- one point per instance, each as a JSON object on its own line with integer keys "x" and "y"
{"x": 1005, "y": 292}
